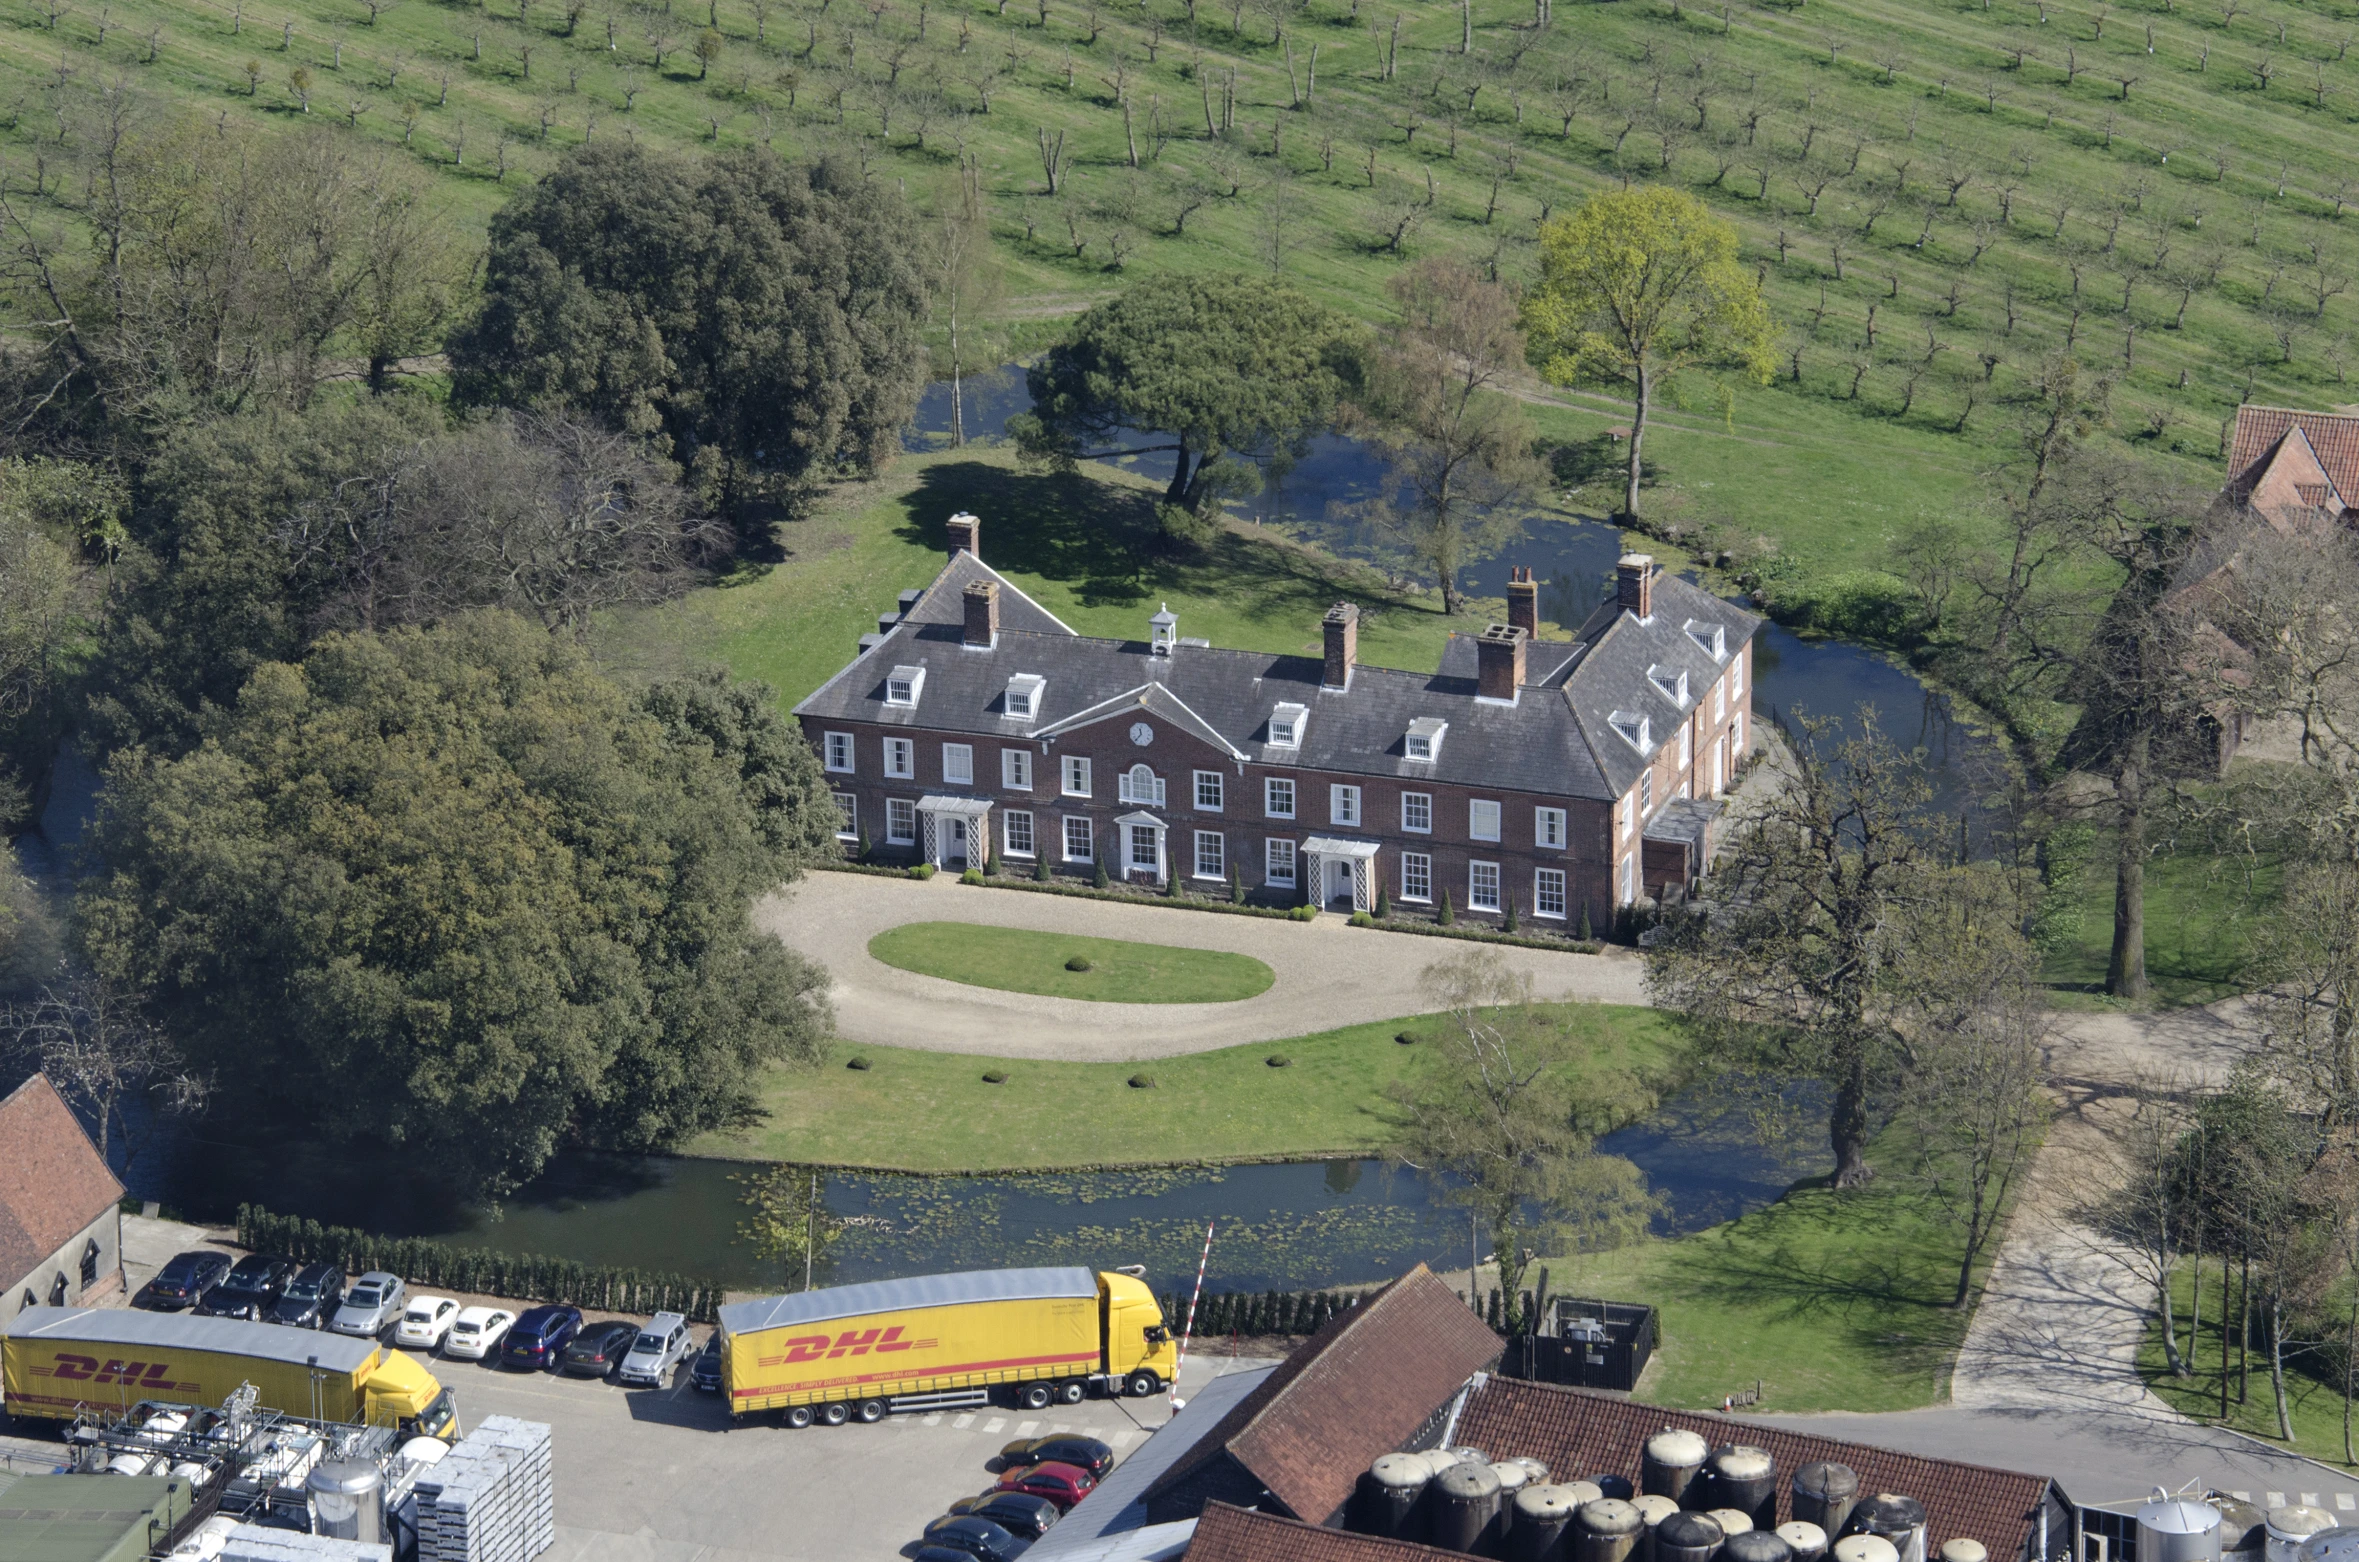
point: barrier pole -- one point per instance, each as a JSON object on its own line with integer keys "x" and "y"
{"x": 1181, "y": 1359}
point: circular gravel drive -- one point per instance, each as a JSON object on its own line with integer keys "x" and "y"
{"x": 1329, "y": 974}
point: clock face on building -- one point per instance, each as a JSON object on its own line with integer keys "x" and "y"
{"x": 1141, "y": 733}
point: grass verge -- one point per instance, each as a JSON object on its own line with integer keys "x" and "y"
{"x": 2201, "y": 914}
{"x": 2315, "y": 1402}
{"x": 932, "y": 1111}
{"x": 1114, "y": 970}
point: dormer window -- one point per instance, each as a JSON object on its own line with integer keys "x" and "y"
{"x": 1712, "y": 638}
{"x": 904, "y": 686}
{"x": 1286, "y": 725}
{"x": 1633, "y": 729}
{"x": 1024, "y": 693}
{"x": 1425, "y": 737}
{"x": 1672, "y": 681}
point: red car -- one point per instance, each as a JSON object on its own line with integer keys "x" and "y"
{"x": 1062, "y": 1484}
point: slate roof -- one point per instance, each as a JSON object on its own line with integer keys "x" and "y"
{"x": 1118, "y": 1503}
{"x": 1227, "y": 1534}
{"x": 1554, "y": 740}
{"x": 1365, "y": 1382}
{"x": 52, "y": 1180}
{"x": 1581, "y": 1431}
{"x": 2332, "y": 437}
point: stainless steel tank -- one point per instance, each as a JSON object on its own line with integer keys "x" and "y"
{"x": 1464, "y": 1510}
{"x": 2178, "y": 1529}
{"x": 1388, "y": 1496}
{"x": 348, "y": 1500}
{"x": 1606, "y": 1529}
{"x": 1670, "y": 1463}
{"x": 1543, "y": 1518}
{"x": 1865, "y": 1548}
{"x": 1687, "y": 1537}
{"x": 1745, "y": 1478}
{"x": 1807, "y": 1539}
{"x": 1757, "y": 1545}
{"x": 1962, "y": 1548}
{"x": 1824, "y": 1494}
{"x": 2289, "y": 1527}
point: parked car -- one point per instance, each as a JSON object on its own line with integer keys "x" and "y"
{"x": 373, "y": 1302}
{"x": 1019, "y": 1513}
{"x": 939, "y": 1554}
{"x": 656, "y": 1351}
{"x": 539, "y": 1336}
{"x": 425, "y": 1321}
{"x": 250, "y": 1290}
{"x": 311, "y": 1297}
{"x": 599, "y": 1348}
{"x": 185, "y": 1279}
{"x": 1062, "y": 1484}
{"x": 978, "y": 1539}
{"x": 476, "y": 1332}
{"x": 705, "y": 1371}
{"x": 1062, "y": 1448}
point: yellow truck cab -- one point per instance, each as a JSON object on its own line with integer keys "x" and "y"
{"x": 1138, "y": 1341}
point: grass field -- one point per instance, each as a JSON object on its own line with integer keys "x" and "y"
{"x": 931, "y": 1111}
{"x": 2201, "y": 915}
{"x": 1018, "y": 960}
{"x": 2316, "y": 1403}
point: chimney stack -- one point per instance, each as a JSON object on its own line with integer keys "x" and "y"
{"x": 982, "y": 601}
{"x": 965, "y": 534}
{"x": 1342, "y": 624}
{"x": 1499, "y": 661}
{"x": 1634, "y": 584}
{"x": 1523, "y": 601}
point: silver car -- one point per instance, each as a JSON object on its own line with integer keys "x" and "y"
{"x": 374, "y": 1301}
{"x": 657, "y": 1350}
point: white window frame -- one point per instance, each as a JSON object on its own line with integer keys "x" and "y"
{"x": 847, "y": 804}
{"x": 1626, "y": 814}
{"x": 904, "y": 687}
{"x": 1417, "y": 877}
{"x": 900, "y": 821}
{"x": 1544, "y": 882}
{"x": 1278, "y": 861}
{"x": 1289, "y": 719}
{"x": 1140, "y": 785}
{"x": 1027, "y": 687}
{"x": 1478, "y": 873}
{"x": 1007, "y": 832}
{"x": 1130, "y": 847}
{"x": 1550, "y": 829}
{"x": 1075, "y": 773}
{"x": 1209, "y": 786}
{"x": 1646, "y": 792}
{"x": 1015, "y": 769}
{"x": 1720, "y": 700}
{"x": 1271, "y": 786}
{"x": 1736, "y": 677}
{"x": 1219, "y": 846}
{"x": 1089, "y": 844}
{"x": 1687, "y": 753}
{"x": 1343, "y": 804}
{"x": 901, "y": 759}
{"x": 1629, "y": 878}
{"x": 1482, "y": 812}
{"x": 1737, "y": 727}
{"x": 839, "y": 752}
{"x": 958, "y": 764}
{"x": 1417, "y": 820}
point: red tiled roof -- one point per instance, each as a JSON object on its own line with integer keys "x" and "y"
{"x": 1357, "y": 1388}
{"x": 52, "y": 1182}
{"x": 1580, "y": 1432}
{"x": 2334, "y": 436}
{"x": 1226, "y": 1534}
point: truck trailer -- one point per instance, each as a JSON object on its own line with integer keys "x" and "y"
{"x": 57, "y": 1361}
{"x": 934, "y": 1342}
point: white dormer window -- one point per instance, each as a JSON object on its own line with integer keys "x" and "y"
{"x": 1632, "y": 729}
{"x": 1672, "y": 681}
{"x": 1712, "y": 638}
{"x": 904, "y": 685}
{"x": 1024, "y": 691}
{"x": 1286, "y": 725}
{"x": 1425, "y": 737}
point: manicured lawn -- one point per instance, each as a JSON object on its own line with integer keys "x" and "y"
{"x": 2202, "y": 913}
{"x": 1018, "y": 960}
{"x": 2316, "y": 1401}
{"x": 932, "y": 1111}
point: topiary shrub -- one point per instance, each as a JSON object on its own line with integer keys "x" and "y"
{"x": 1383, "y": 903}
{"x": 971, "y": 876}
{"x": 1142, "y": 1081}
{"x": 992, "y": 865}
{"x": 1508, "y": 921}
{"x": 1236, "y": 886}
{"x": 1279, "y": 1060}
{"x": 861, "y": 855}
{"x": 858, "y": 1062}
{"x": 1097, "y": 878}
{"x": 1406, "y": 1038}
{"x": 1586, "y": 935}
{"x": 1362, "y": 919}
{"x": 1040, "y": 874}
{"x": 995, "y": 1076}
{"x": 1449, "y": 914}
{"x": 1304, "y": 913}
{"x": 924, "y": 870}
{"x": 1078, "y": 963}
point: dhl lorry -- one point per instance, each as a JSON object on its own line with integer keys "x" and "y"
{"x": 934, "y": 1342}
{"x": 55, "y": 1361}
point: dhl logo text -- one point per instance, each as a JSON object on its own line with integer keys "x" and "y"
{"x": 852, "y": 1342}
{"x": 128, "y": 1374}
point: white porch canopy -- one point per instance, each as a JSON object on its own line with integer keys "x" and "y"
{"x": 1338, "y": 867}
{"x": 955, "y": 828}
{"x": 1128, "y": 842}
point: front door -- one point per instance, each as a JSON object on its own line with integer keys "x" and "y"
{"x": 954, "y": 845}
{"x": 1339, "y": 883}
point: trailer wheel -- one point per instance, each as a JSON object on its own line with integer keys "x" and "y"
{"x": 1070, "y": 1391}
{"x": 1036, "y": 1396}
{"x": 1142, "y": 1385}
{"x": 871, "y": 1411}
{"x": 835, "y": 1414}
{"x": 797, "y": 1416}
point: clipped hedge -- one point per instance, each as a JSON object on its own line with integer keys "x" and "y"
{"x": 1264, "y": 1312}
{"x": 527, "y": 1277}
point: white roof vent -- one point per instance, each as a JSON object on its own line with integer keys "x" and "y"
{"x": 1711, "y": 637}
{"x": 1286, "y": 723}
{"x": 1162, "y": 632}
{"x": 1425, "y": 737}
{"x": 1024, "y": 693}
{"x": 904, "y": 686}
{"x": 1633, "y": 729}
{"x": 1672, "y": 681}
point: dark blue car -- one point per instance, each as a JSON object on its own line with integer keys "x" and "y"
{"x": 538, "y": 1339}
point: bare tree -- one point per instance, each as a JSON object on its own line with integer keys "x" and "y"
{"x": 110, "y": 1059}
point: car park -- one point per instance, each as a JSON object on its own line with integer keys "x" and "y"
{"x": 373, "y": 1302}
{"x": 476, "y": 1332}
{"x": 311, "y": 1297}
{"x": 250, "y": 1290}
{"x": 1062, "y": 1484}
{"x": 425, "y": 1321}
{"x": 598, "y": 1348}
{"x": 704, "y": 1373}
{"x": 538, "y": 1337}
{"x": 1061, "y": 1448}
{"x": 185, "y": 1278}
{"x": 656, "y": 1351}
{"x": 974, "y": 1538}
{"x": 1019, "y": 1513}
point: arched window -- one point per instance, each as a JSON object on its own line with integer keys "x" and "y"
{"x": 1140, "y": 785}
{"x": 90, "y": 1263}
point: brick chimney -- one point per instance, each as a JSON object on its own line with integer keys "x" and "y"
{"x": 1634, "y": 584}
{"x": 1499, "y": 661}
{"x": 982, "y": 599}
{"x": 964, "y": 533}
{"x": 1523, "y": 601}
{"x": 1342, "y": 624}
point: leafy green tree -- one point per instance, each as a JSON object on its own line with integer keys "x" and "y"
{"x": 53, "y": 514}
{"x": 1636, "y": 286}
{"x": 449, "y": 888}
{"x": 763, "y": 316}
{"x": 1229, "y": 366}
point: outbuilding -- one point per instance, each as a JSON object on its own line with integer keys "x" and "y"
{"x": 61, "y": 1224}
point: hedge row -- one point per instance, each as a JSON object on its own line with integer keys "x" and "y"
{"x": 524, "y": 1277}
{"x": 1266, "y": 1312}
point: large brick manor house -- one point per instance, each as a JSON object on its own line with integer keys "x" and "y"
{"x": 1566, "y": 776}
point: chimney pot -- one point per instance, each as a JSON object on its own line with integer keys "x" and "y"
{"x": 1634, "y": 584}
{"x": 1342, "y": 626}
{"x": 1523, "y": 601}
{"x": 1499, "y": 661}
{"x": 964, "y": 533}
{"x": 982, "y": 604}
